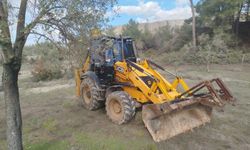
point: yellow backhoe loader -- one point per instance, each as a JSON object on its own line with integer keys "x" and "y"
{"x": 113, "y": 76}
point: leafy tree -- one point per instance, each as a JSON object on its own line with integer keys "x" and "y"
{"x": 218, "y": 13}
{"x": 147, "y": 39}
{"x": 110, "y": 31}
{"x": 67, "y": 18}
{"x": 132, "y": 29}
{"x": 163, "y": 36}
{"x": 193, "y": 22}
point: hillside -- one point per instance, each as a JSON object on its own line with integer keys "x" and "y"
{"x": 153, "y": 26}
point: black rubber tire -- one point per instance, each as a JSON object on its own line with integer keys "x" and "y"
{"x": 92, "y": 102}
{"x": 126, "y": 103}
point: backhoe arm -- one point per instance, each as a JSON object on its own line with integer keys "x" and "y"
{"x": 78, "y": 73}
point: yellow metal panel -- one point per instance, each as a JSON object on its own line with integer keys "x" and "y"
{"x": 175, "y": 83}
{"x": 184, "y": 85}
{"x": 134, "y": 93}
{"x": 137, "y": 82}
{"x": 180, "y": 81}
{"x": 163, "y": 84}
{"x": 121, "y": 71}
{"x": 78, "y": 82}
{"x": 86, "y": 65}
{"x": 78, "y": 76}
{"x": 133, "y": 76}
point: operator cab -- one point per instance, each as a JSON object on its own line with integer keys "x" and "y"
{"x": 124, "y": 50}
{"x": 108, "y": 51}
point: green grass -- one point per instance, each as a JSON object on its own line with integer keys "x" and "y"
{"x": 47, "y": 145}
{"x": 3, "y": 144}
{"x": 98, "y": 141}
{"x": 50, "y": 125}
{"x": 45, "y": 132}
{"x": 91, "y": 141}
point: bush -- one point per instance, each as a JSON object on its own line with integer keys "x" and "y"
{"x": 42, "y": 73}
{"x": 205, "y": 55}
{"x": 132, "y": 29}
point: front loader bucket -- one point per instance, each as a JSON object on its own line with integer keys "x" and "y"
{"x": 164, "y": 123}
{"x": 169, "y": 119}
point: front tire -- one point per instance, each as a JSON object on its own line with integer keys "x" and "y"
{"x": 90, "y": 94}
{"x": 120, "y": 107}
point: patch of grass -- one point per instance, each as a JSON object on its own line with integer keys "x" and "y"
{"x": 50, "y": 124}
{"x": 91, "y": 141}
{"x": 34, "y": 121}
{"x": 26, "y": 83}
{"x": 139, "y": 133}
{"x": 96, "y": 142}
{"x": 66, "y": 104}
{"x": 31, "y": 124}
{"x": 3, "y": 144}
{"x": 47, "y": 145}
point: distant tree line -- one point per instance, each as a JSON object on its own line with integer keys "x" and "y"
{"x": 164, "y": 38}
{"x": 218, "y": 23}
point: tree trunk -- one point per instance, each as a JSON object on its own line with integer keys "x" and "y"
{"x": 248, "y": 5}
{"x": 12, "y": 106}
{"x": 194, "y": 23}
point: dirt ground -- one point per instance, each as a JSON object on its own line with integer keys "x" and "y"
{"x": 53, "y": 118}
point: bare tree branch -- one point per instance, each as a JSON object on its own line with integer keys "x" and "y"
{"x": 194, "y": 22}
{"x": 47, "y": 38}
{"x": 20, "y": 36}
{"x": 45, "y": 11}
{"x": 21, "y": 19}
{"x": 5, "y": 39}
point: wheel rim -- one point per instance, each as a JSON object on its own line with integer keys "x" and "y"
{"x": 87, "y": 94}
{"x": 116, "y": 110}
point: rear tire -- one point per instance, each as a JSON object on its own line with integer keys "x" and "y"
{"x": 120, "y": 107}
{"x": 90, "y": 94}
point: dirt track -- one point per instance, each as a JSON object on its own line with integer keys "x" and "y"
{"x": 53, "y": 119}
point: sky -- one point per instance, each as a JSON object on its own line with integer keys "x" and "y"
{"x": 150, "y": 11}
{"x": 139, "y": 10}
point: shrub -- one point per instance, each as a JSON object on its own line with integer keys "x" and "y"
{"x": 42, "y": 73}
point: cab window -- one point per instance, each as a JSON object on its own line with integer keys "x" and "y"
{"x": 118, "y": 51}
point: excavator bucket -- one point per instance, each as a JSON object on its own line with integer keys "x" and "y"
{"x": 169, "y": 119}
